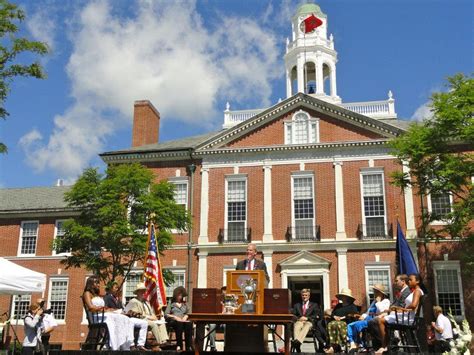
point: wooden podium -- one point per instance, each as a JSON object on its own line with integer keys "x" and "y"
{"x": 235, "y": 278}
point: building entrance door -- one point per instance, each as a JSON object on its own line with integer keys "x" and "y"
{"x": 313, "y": 282}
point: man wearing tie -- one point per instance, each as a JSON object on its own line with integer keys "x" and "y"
{"x": 251, "y": 263}
{"x": 305, "y": 314}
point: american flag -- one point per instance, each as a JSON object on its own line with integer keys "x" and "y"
{"x": 155, "y": 286}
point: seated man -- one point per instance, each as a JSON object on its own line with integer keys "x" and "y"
{"x": 305, "y": 314}
{"x": 213, "y": 328}
{"x": 139, "y": 307}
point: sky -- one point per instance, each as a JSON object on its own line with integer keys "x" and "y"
{"x": 191, "y": 57}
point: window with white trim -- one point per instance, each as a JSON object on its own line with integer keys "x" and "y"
{"x": 28, "y": 237}
{"x": 236, "y": 209}
{"x": 377, "y": 274}
{"x": 58, "y": 297}
{"x": 302, "y": 129}
{"x": 21, "y": 304}
{"x": 58, "y": 233}
{"x": 181, "y": 192}
{"x": 303, "y": 207}
{"x": 373, "y": 204}
{"x": 439, "y": 205}
{"x": 449, "y": 293}
{"x": 179, "y": 280}
{"x": 130, "y": 285}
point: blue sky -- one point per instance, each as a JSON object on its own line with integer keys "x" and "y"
{"x": 191, "y": 57}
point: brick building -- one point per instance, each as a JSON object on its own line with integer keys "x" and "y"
{"x": 307, "y": 180}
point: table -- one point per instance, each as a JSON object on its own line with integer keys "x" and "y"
{"x": 201, "y": 319}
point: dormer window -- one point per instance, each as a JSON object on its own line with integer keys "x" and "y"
{"x": 302, "y": 129}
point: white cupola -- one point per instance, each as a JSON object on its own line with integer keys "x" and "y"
{"x": 310, "y": 58}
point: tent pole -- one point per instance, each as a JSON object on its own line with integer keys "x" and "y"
{"x": 17, "y": 315}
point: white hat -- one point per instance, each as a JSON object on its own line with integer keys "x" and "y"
{"x": 140, "y": 286}
{"x": 345, "y": 292}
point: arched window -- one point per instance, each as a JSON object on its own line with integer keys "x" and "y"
{"x": 302, "y": 129}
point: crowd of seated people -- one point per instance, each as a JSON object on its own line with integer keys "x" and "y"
{"x": 138, "y": 314}
{"x": 343, "y": 327}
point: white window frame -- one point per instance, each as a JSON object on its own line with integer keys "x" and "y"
{"x": 296, "y": 175}
{"x": 236, "y": 177}
{"x": 440, "y": 222}
{"x": 312, "y": 134}
{"x": 126, "y": 284}
{"x": 377, "y": 267}
{"x": 56, "y": 235}
{"x": 450, "y": 265}
{"x": 13, "y": 309}
{"x": 176, "y": 271}
{"x": 372, "y": 171}
{"x": 20, "y": 241}
{"x": 50, "y": 288}
{"x": 177, "y": 181}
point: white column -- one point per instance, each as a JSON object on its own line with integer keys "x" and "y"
{"x": 203, "y": 228}
{"x": 339, "y": 199}
{"x": 267, "y": 258}
{"x": 343, "y": 280}
{"x": 326, "y": 294}
{"x": 300, "y": 73}
{"x": 333, "y": 82}
{"x": 409, "y": 209}
{"x": 288, "y": 83}
{"x": 319, "y": 76}
{"x": 267, "y": 204}
{"x": 202, "y": 270}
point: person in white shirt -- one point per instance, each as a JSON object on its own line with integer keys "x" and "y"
{"x": 443, "y": 331}
{"x": 49, "y": 324}
{"x": 379, "y": 306}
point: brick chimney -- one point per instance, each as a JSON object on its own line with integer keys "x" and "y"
{"x": 146, "y": 123}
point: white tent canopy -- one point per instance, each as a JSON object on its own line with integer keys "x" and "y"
{"x": 18, "y": 280}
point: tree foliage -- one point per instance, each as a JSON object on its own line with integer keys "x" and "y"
{"x": 110, "y": 233}
{"x": 439, "y": 154}
{"x": 11, "y": 47}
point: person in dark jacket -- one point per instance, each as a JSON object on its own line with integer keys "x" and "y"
{"x": 251, "y": 262}
{"x": 305, "y": 314}
{"x": 112, "y": 297}
{"x": 342, "y": 314}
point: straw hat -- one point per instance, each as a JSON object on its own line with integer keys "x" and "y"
{"x": 345, "y": 292}
{"x": 140, "y": 286}
{"x": 380, "y": 288}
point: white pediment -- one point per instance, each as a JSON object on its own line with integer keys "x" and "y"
{"x": 305, "y": 258}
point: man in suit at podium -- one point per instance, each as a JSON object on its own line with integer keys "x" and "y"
{"x": 250, "y": 263}
{"x": 306, "y": 313}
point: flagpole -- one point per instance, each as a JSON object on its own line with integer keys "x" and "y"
{"x": 146, "y": 250}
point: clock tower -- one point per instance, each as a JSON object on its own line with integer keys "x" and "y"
{"x": 310, "y": 59}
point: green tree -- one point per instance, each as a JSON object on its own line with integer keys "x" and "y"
{"x": 11, "y": 47}
{"x": 110, "y": 233}
{"x": 438, "y": 152}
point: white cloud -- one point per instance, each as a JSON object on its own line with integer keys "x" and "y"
{"x": 423, "y": 112}
{"x": 162, "y": 53}
{"x": 42, "y": 27}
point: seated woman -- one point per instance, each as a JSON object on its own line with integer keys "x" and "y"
{"x": 120, "y": 328}
{"x": 380, "y": 304}
{"x": 402, "y": 315}
{"x": 337, "y": 328}
{"x": 176, "y": 315}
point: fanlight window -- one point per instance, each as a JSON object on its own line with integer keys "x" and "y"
{"x": 302, "y": 129}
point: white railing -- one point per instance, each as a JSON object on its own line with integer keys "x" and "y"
{"x": 374, "y": 109}
{"x": 231, "y": 118}
{"x": 308, "y": 42}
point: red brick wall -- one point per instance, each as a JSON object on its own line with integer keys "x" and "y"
{"x": 330, "y": 130}
{"x": 146, "y": 124}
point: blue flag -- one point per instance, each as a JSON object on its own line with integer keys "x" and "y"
{"x": 405, "y": 261}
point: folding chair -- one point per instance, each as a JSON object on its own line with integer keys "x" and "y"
{"x": 407, "y": 329}
{"x": 98, "y": 335}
